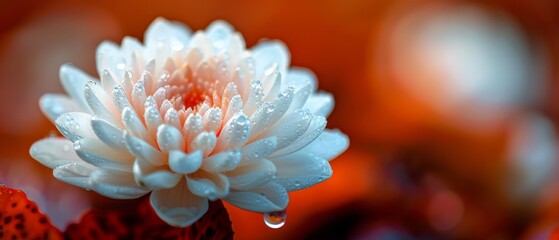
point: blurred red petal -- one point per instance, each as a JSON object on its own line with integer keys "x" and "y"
{"x": 140, "y": 222}
{"x": 21, "y": 219}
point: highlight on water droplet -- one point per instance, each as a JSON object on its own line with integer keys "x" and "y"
{"x": 275, "y": 219}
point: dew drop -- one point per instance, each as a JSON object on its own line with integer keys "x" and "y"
{"x": 275, "y": 219}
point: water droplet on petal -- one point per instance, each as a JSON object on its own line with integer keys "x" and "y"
{"x": 275, "y": 219}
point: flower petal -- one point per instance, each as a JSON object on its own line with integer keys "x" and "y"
{"x": 268, "y": 53}
{"x": 76, "y": 174}
{"x": 260, "y": 119}
{"x": 220, "y": 33}
{"x": 252, "y": 176}
{"x": 117, "y": 185}
{"x": 181, "y": 162}
{"x": 54, "y": 152}
{"x": 281, "y": 104}
{"x": 134, "y": 125}
{"x": 222, "y": 161}
{"x": 177, "y": 206}
{"x": 328, "y": 145}
{"x": 316, "y": 126}
{"x": 170, "y": 33}
{"x": 109, "y": 57}
{"x": 212, "y": 119}
{"x": 301, "y": 170}
{"x": 108, "y": 133}
{"x": 74, "y": 81}
{"x": 205, "y": 142}
{"x": 98, "y": 154}
{"x": 234, "y": 134}
{"x": 210, "y": 185}
{"x": 258, "y": 150}
{"x": 154, "y": 177}
{"x": 299, "y": 78}
{"x": 101, "y": 103}
{"x": 291, "y": 127}
{"x": 169, "y": 138}
{"x": 270, "y": 198}
{"x": 192, "y": 127}
{"x": 141, "y": 149}
{"x": 320, "y": 104}
{"x": 53, "y": 105}
{"x": 75, "y": 125}
{"x": 255, "y": 98}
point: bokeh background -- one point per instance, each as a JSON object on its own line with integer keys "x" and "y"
{"x": 451, "y": 107}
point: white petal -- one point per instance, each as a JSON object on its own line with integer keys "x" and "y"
{"x": 100, "y": 103}
{"x": 192, "y": 127}
{"x": 166, "y": 32}
{"x": 281, "y": 104}
{"x": 210, "y": 185}
{"x": 178, "y": 206}
{"x": 223, "y": 161}
{"x": 303, "y": 82}
{"x": 234, "y": 134}
{"x": 75, "y": 125}
{"x": 317, "y": 125}
{"x": 255, "y": 98}
{"x": 120, "y": 98}
{"x": 132, "y": 50}
{"x": 139, "y": 97}
{"x": 205, "y": 142}
{"x": 110, "y": 57}
{"x": 299, "y": 78}
{"x": 108, "y": 133}
{"x": 235, "y": 106}
{"x": 320, "y": 104}
{"x": 212, "y": 119}
{"x": 270, "y": 198}
{"x": 328, "y": 145}
{"x": 98, "y": 154}
{"x": 172, "y": 118}
{"x": 258, "y": 150}
{"x": 134, "y": 125}
{"x": 160, "y": 95}
{"x": 272, "y": 85}
{"x": 291, "y": 127}
{"x": 74, "y": 81}
{"x": 116, "y": 185}
{"x": 266, "y": 54}
{"x": 141, "y": 149}
{"x": 108, "y": 81}
{"x": 76, "y": 174}
{"x": 219, "y": 32}
{"x": 252, "y": 176}
{"x": 53, "y": 105}
{"x": 301, "y": 170}
{"x": 154, "y": 177}
{"x": 260, "y": 119}
{"x": 54, "y": 152}
{"x": 181, "y": 162}
{"x": 169, "y": 138}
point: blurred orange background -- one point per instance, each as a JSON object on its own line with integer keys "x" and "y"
{"x": 451, "y": 108}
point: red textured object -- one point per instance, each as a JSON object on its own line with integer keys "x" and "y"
{"x": 141, "y": 222}
{"x": 20, "y": 218}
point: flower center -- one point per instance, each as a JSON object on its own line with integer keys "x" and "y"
{"x": 194, "y": 98}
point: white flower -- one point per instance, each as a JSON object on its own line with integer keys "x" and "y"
{"x": 191, "y": 118}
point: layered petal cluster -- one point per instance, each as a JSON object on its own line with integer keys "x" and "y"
{"x": 191, "y": 117}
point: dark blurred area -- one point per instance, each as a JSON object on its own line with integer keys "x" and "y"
{"x": 451, "y": 108}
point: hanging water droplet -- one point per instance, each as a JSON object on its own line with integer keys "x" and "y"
{"x": 275, "y": 219}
